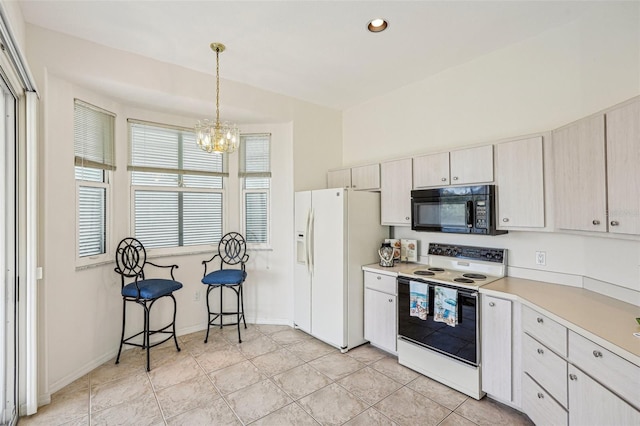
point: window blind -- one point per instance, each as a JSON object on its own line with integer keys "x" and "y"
{"x": 177, "y": 188}
{"x": 156, "y": 148}
{"x": 255, "y": 169}
{"x": 255, "y": 155}
{"x": 92, "y": 232}
{"x": 93, "y": 136}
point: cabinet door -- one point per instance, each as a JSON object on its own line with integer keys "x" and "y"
{"x": 519, "y": 176}
{"x": 496, "y": 347}
{"x": 431, "y": 170}
{"x": 592, "y": 404}
{"x": 365, "y": 177}
{"x": 339, "y": 178}
{"x": 623, "y": 173}
{"x": 579, "y": 176}
{"x": 395, "y": 192}
{"x": 380, "y": 319}
{"x": 472, "y": 165}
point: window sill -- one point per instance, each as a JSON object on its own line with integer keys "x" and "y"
{"x": 95, "y": 264}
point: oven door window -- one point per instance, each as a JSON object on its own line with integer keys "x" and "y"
{"x": 443, "y": 213}
{"x": 459, "y": 342}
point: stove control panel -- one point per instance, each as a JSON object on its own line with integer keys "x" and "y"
{"x": 468, "y": 252}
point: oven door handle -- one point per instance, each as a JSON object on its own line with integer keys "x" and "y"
{"x": 468, "y": 214}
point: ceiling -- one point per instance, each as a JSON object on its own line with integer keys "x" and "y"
{"x": 317, "y": 51}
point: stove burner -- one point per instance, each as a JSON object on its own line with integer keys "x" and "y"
{"x": 463, "y": 280}
{"x": 436, "y": 269}
{"x": 475, "y": 276}
{"x": 423, "y": 272}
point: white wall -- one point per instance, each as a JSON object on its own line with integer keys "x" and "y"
{"x": 81, "y": 309}
{"x": 534, "y": 86}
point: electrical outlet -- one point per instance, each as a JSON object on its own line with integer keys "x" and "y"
{"x": 541, "y": 258}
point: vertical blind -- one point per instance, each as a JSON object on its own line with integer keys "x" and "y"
{"x": 93, "y": 140}
{"x": 255, "y": 169}
{"x": 185, "y": 207}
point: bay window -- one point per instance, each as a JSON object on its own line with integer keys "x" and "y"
{"x": 255, "y": 172}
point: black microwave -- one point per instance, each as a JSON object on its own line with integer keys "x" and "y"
{"x": 457, "y": 209}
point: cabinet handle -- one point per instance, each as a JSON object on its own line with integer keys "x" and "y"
{"x": 597, "y": 354}
{"x": 540, "y": 395}
{"x": 455, "y": 178}
{"x": 540, "y": 351}
{"x": 390, "y": 300}
{"x": 444, "y": 179}
{"x": 492, "y": 304}
{"x": 505, "y": 219}
{"x": 379, "y": 277}
{"x": 573, "y": 377}
{"x": 596, "y": 222}
{"x": 540, "y": 320}
{"x": 615, "y": 223}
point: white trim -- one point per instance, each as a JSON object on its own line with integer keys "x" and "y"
{"x": 106, "y": 256}
{"x": 31, "y": 282}
{"x": 20, "y": 65}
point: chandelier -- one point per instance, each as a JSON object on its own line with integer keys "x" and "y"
{"x": 214, "y": 136}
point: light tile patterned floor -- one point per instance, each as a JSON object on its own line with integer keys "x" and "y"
{"x": 277, "y": 376}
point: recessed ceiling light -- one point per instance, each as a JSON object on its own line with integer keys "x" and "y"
{"x": 377, "y": 25}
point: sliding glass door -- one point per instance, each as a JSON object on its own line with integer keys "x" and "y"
{"x": 8, "y": 257}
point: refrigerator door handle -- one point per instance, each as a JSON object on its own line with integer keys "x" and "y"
{"x": 306, "y": 242}
{"x": 310, "y": 237}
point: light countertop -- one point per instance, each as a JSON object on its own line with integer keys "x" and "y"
{"x": 604, "y": 320}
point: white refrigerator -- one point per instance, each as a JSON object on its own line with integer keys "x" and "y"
{"x": 337, "y": 231}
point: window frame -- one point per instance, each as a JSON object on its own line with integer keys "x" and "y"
{"x": 243, "y": 191}
{"x": 180, "y": 173}
{"x": 107, "y": 256}
{"x": 106, "y": 167}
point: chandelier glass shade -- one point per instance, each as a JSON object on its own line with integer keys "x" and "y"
{"x": 213, "y": 135}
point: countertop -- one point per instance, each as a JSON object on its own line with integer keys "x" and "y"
{"x": 604, "y": 320}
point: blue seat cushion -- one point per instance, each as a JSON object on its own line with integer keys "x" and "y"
{"x": 225, "y": 277}
{"x": 151, "y": 288}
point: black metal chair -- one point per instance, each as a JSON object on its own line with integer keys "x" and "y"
{"x": 131, "y": 259}
{"x": 232, "y": 251}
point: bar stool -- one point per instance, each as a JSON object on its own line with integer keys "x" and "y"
{"x": 232, "y": 251}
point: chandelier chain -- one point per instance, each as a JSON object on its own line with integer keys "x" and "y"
{"x": 217, "y": 88}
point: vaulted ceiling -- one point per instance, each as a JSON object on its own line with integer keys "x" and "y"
{"x": 317, "y": 51}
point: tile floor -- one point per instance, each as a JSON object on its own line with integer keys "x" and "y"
{"x": 277, "y": 376}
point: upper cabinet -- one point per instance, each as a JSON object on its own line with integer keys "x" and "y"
{"x": 461, "y": 167}
{"x": 395, "y": 192}
{"x": 431, "y": 170}
{"x": 623, "y": 173}
{"x": 340, "y": 178}
{"x": 520, "y": 181}
{"x": 366, "y": 178}
{"x": 595, "y": 172}
{"x": 579, "y": 175}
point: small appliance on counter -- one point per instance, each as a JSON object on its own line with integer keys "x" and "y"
{"x": 386, "y": 254}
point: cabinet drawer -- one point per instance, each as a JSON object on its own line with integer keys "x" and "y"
{"x": 539, "y": 405}
{"x": 616, "y": 373}
{"x": 545, "y": 330}
{"x": 380, "y": 282}
{"x": 546, "y": 368}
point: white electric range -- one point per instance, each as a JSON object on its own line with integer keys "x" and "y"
{"x": 447, "y": 351}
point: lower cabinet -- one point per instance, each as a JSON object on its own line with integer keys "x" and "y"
{"x": 592, "y": 404}
{"x": 496, "y": 347}
{"x": 380, "y": 300}
{"x": 540, "y": 406}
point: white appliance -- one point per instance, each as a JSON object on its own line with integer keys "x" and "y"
{"x": 337, "y": 231}
{"x": 450, "y": 355}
